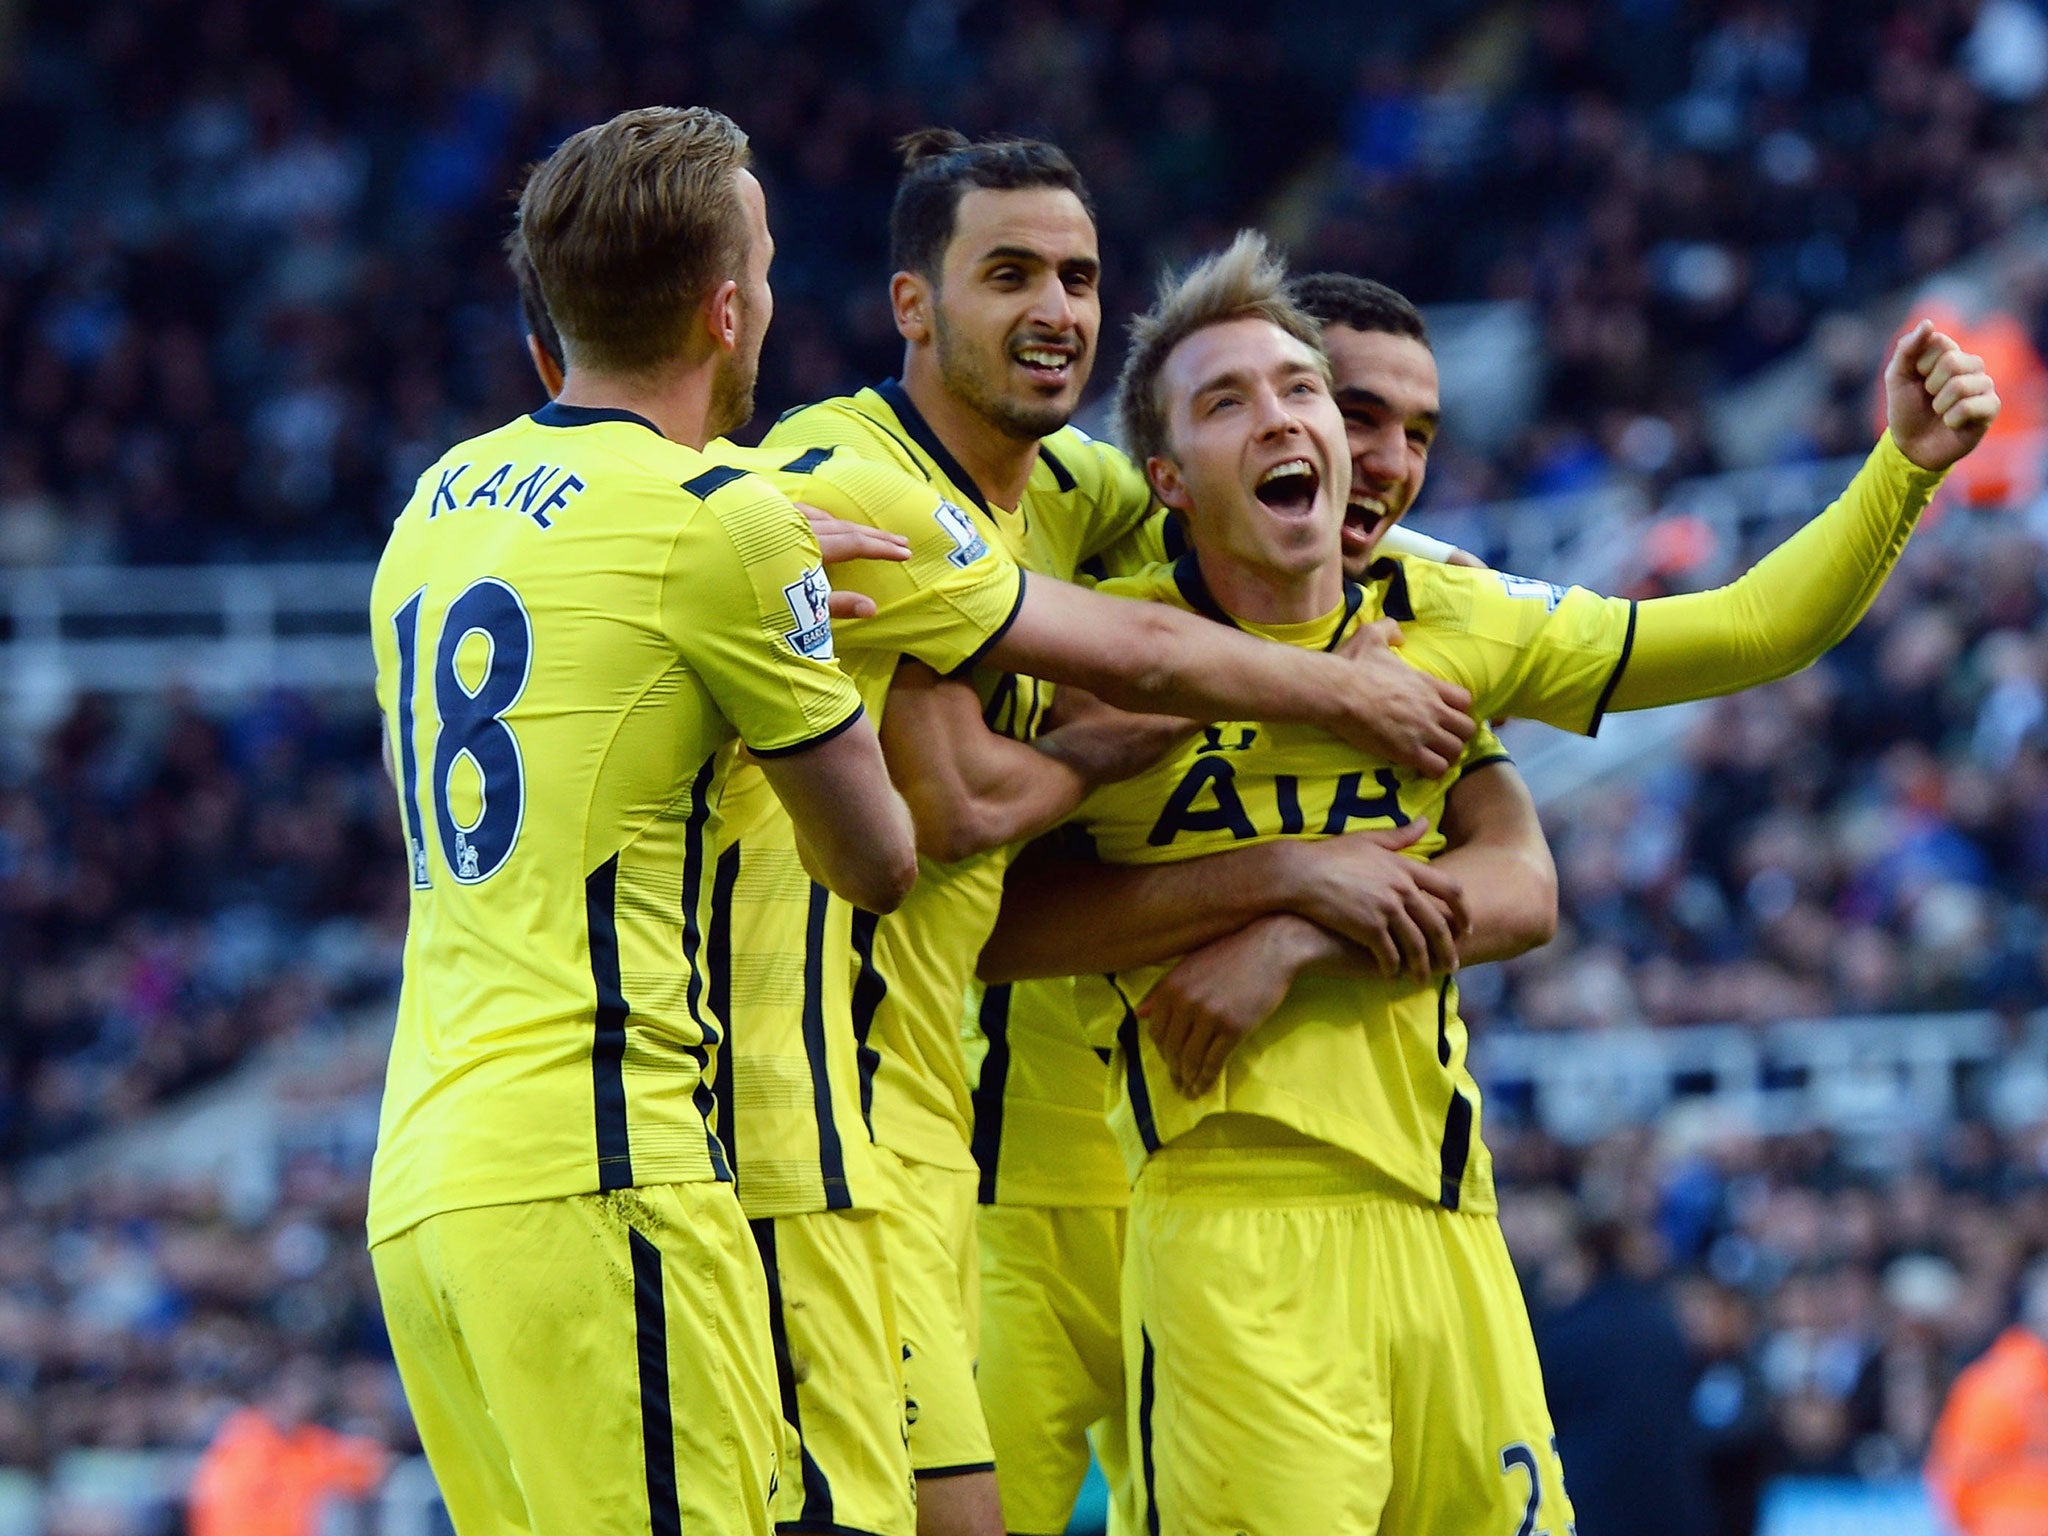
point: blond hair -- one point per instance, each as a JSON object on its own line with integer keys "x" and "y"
{"x": 1244, "y": 281}
{"x": 629, "y": 225}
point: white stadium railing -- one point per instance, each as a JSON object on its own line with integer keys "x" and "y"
{"x": 223, "y": 629}
{"x": 220, "y": 632}
{"x": 213, "y": 630}
{"x": 1882, "y": 1083}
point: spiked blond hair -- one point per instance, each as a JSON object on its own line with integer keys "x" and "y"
{"x": 1243, "y": 281}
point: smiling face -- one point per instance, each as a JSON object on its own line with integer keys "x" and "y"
{"x": 1386, "y": 388}
{"x": 1016, "y": 309}
{"x": 1256, "y": 455}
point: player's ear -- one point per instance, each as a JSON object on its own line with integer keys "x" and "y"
{"x": 722, "y": 315}
{"x": 910, "y": 301}
{"x": 1167, "y": 484}
{"x": 545, "y": 365}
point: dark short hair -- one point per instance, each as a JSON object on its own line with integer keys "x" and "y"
{"x": 1338, "y": 298}
{"x": 941, "y": 166}
{"x": 539, "y": 323}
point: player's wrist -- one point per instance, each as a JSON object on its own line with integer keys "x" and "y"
{"x": 1892, "y": 454}
{"x": 1350, "y": 701}
{"x": 1307, "y": 885}
{"x": 1292, "y": 943}
{"x": 1412, "y": 544}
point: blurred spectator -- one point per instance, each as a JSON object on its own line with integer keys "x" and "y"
{"x": 1826, "y": 1295}
{"x": 1631, "y": 1453}
{"x": 1989, "y": 1463}
{"x": 249, "y": 281}
{"x": 177, "y": 890}
{"x": 272, "y": 1470}
{"x": 2006, "y": 53}
{"x": 1730, "y": 1408}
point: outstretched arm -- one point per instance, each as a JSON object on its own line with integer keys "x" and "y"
{"x": 1808, "y": 593}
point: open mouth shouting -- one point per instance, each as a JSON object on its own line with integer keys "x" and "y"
{"x": 1289, "y": 487}
{"x": 1364, "y": 521}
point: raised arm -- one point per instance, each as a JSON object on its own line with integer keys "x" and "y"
{"x": 1151, "y": 657}
{"x": 1803, "y": 597}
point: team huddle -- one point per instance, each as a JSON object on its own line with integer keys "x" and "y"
{"x": 934, "y": 940}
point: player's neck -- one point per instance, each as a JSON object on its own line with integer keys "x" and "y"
{"x": 999, "y": 465}
{"x": 677, "y": 401}
{"x": 1261, "y": 595}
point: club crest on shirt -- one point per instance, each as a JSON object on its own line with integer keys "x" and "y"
{"x": 1529, "y": 587}
{"x": 968, "y": 545}
{"x": 810, "y": 604}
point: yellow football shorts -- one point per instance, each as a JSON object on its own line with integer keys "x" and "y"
{"x": 1312, "y": 1350}
{"x": 595, "y": 1364}
{"x": 935, "y": 1270}
{"x": 1052, "y": 1359}
{"x": 839, "y": 1365}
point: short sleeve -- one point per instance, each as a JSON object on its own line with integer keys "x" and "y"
{"x": 955, "y": 596}
{"x": 746, "y": 603}
{"x": 1482, "y": 751}
{"x": 1572, "y": 659}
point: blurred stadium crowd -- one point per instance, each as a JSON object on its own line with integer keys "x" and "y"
{"x": 140, "y": 1314}
{"x": 249, "y": 281}
{"x": 174, "y": 892}
{"x": 250, "y": 285}
{"x": 1785, "y": 1311}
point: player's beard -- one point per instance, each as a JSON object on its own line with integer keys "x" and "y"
{"x": 732, "y": 395}
{"x": 965, "y": 378}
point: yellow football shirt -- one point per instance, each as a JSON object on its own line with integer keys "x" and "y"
{"x": 573, "y": 618}
{"x": 1041, "y": 1136}
{"x": 1374, "y": 1067}
{"x": 1039, "y": 1133}
{"x": 1083, "y": 497}
{"x": 781, "y": 949}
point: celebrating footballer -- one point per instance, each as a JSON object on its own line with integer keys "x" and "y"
{"x": 934, "y": 940}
